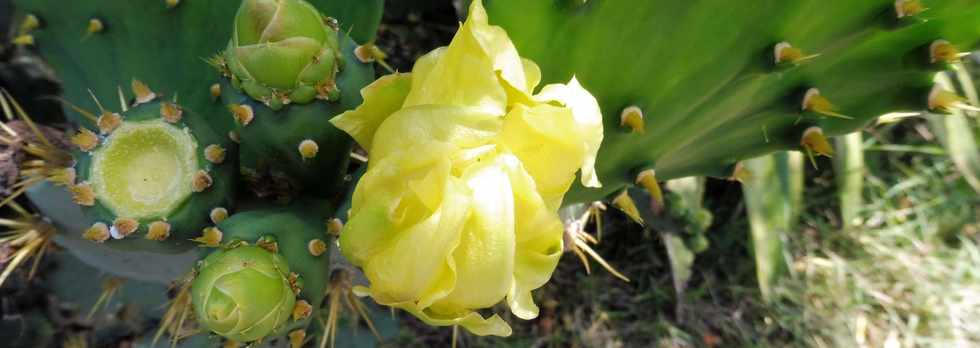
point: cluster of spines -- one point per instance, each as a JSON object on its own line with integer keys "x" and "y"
{"x": 813, "y": 141}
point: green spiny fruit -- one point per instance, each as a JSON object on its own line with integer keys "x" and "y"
{"x": 283, "y": 51}
{"x": 293, "y": 148}
{"x": 243, "y": 293}
{"x": 707, "y": 93}
{"x": 285, "y": 248}
{"x": 155, "y": 169}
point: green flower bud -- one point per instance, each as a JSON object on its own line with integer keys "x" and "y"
{"x": 243, "y": 293}
{"x": 283, "y": 51}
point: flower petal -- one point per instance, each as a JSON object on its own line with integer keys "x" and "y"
{"x": 456, "y": 125}
{"x": 411, "y": 263}
{"x": 485, "y": 51}
{"x": 381, "y": 99}
{"x": 485, "y": 255}
{"x": 538, "y": 242}
{"x": 549, "y": 144}
{"x": 587, "y": 115}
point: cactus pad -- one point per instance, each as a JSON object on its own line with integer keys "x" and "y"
{"x": 720, "y": 81}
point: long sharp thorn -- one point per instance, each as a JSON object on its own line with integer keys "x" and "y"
{"x": 122, "y": 99}
{"x": 97, "y": 103}
{"x": 27, "y": 119}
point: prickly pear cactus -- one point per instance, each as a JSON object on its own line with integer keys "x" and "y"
{"x": 100, "y": 45}
{"x": 715, "y": 82}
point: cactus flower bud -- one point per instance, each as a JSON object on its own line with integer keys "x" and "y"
{"x": 283, "y": 51}
{"x": 458, "y": 208}
{"x": 243, "y": 293}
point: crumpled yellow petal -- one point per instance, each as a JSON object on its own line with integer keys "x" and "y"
{"x": 588, "y": 117}
{"x": 470, "y": 320}
{"x": 402, "y": 239}
{"x": 485, "y": 51}
{"x": 381, "y": 99}
{"x": 538, "y": 242}
{"x": 460, "y": 126}
{"x": 549, "y": 143}
{"x": 485, "y": 255}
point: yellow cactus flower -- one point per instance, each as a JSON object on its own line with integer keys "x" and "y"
{"x": 468, "y": 167}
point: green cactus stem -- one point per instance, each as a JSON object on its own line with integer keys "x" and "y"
{"x": 713, "y": 92}
{"x": 296, "y": 150}
{"x": 156, "y": 170}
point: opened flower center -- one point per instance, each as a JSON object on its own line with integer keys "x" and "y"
{"x": 145, "y": 169}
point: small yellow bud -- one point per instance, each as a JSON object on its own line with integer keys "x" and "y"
{"x": 30, "y": 23}
{"x": 302, "y": 310}
{"x": 214, "y": 153}
{"x": 201, "y": 181}
{"x": 242, "y": 113}
{"x": 943, "y": 100}
{"x": 142, "y": 92}
{"x": 316, "y": 247}
{"x": 908, "y": 8}
{"x": 815, "y": 142}
{"x": 98, "y": 233}
{"x": 813, "y": 101}
{"x": 108, "y": 122}
{"x": 308, "y": 149}
{"x": 334, "y": 226}
{"x": 123, "y": 227}
{"x": 740, "y": 173}
{"x": 215, "y": 91}
{"x": 632, "y": 117}
{"x": 82, "y": 194}
{"x": 944, "y": 51}
{"x": 158, "y": 230}
{"x": 95, "y": 26}
{"x": 296, "y": 338}
{"x": 172, "y": 3}
{"x": 85, "y": 140}
{"x": 648, "y": 180}
{"x": 170, "y": 112}
{"x": 210, "y": 237}
{"x": 783, "y": 52}
{"x": 624, "y": 203}
{"x": 218, "y": 215}
{"x": 23, "y": 40}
